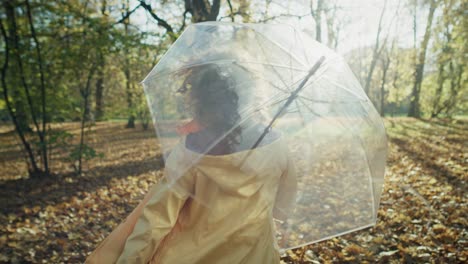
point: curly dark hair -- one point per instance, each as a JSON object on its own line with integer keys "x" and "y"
{"x": 215, "y": 103}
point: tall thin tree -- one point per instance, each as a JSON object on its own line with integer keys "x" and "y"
{"x": 414, "y": 108}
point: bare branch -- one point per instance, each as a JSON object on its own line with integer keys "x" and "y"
{"x": 233, "y": 14}
{"x": 6, "y": 97}
{"x": 14, "y": 35}
{"x": 282, "y": 15}
{"x": 184, "y": 17}
{"x": 377, "y": 50}
{"x": 42, "y": 132}
{"x": 126, "y": 16}
{"x": 231, "y": 11}
{"x": 161, "y": 22}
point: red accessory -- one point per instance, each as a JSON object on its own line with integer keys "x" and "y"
{"x": 191, "y": 127}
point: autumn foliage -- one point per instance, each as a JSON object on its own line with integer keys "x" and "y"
{"x": 422, "y": 217}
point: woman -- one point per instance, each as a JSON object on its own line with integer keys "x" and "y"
{"x": 219, "y": 209}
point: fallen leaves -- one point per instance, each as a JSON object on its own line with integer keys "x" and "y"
{"x": 422, "y": 217}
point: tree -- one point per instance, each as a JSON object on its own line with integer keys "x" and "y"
{"x": 327, "y": 11}
{"x": 450, "y": 48}
{"x": 385, "y": 61}
{"x": 316, "y": 12}
{"x": 335, "y": 24}
{"x": 11, "y": 110}
{"x": 414, "y": 109}
{"x": 99, "y": 98}
{"x": 128, "y": 80}
{"x": 53, "y": 44}
{"x": 202, "y": 10}
{"x": 18, "y": 34}
{"x": 376, "y": 51}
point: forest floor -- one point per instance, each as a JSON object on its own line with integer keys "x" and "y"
{"x": 422, "y": 217}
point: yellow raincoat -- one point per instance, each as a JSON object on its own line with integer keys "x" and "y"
{"x": 230, "y": 220}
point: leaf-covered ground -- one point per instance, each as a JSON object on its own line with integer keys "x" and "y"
{"x": 422, "y": 217}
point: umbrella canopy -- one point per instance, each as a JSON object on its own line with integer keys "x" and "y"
{"x": 280, "y": 83}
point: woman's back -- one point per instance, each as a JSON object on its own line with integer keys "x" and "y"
{"x": 229, "y": 218}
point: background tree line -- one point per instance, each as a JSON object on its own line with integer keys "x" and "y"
{"x": 81, "y": 60}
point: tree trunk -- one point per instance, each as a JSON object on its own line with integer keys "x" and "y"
{"x": 99, "y": 110}
{"x": 376, "y": 52}
{"x": 29, "y": 152}
{"x": 438, "y": 94}
{"x": 19, "y": 114}
{"x": 414, "y": 109}
{"x": 99, "y": 98}
{"x": 20, "y": 104}
{"x": 128, "y": 89}
{"x": 128, "y": 86}
{"x": 15, "y": 41}
{"x": 396, "y": 76}
{"x": 85, "y": 92}
{"x": 20, "y": 111}
{"x": 317, "y": 15}
{"x": 455, "y": 86}
{"x": 386, "y": 65}
{"x": 201, "y": 10}
{"x": 41, "y": 131}
{"x": 334, "y": 25}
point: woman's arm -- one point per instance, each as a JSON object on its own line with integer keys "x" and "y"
{"x": 135, "y": 239}
{"x": 156, "y": 221}
{"x": 109, "y": 250}
{"x": 286, "y": 194}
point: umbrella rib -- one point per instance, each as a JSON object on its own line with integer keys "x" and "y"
{"x": 276, "y": 86}
{"x": 247, "y": 116}
{"x": 344, "y": 88}
{"x": 274, "y": 65}
{"x": 274, "y": 69}
{"x": 258, "y": 108}
{"x": 276, "y": 43}
{"x": 271, "y": 83}
{"x": 290, "y": 99}
{"x": 279, "y": 46}
{"x": 324, "y": 101}
{"x": 313, "y": 100}
{"x": 293, "y": 84}
{"x": 308, "y": 107}
{"x": 218, "y": 61}
{"x": 303, "y": 48}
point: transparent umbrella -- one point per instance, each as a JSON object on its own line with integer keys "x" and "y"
{"x": 280, "y": 84}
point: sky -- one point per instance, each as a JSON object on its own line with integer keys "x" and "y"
{"x": 360, "y": 19}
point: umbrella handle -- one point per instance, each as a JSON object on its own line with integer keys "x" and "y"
{"x": 291, "y": 98}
